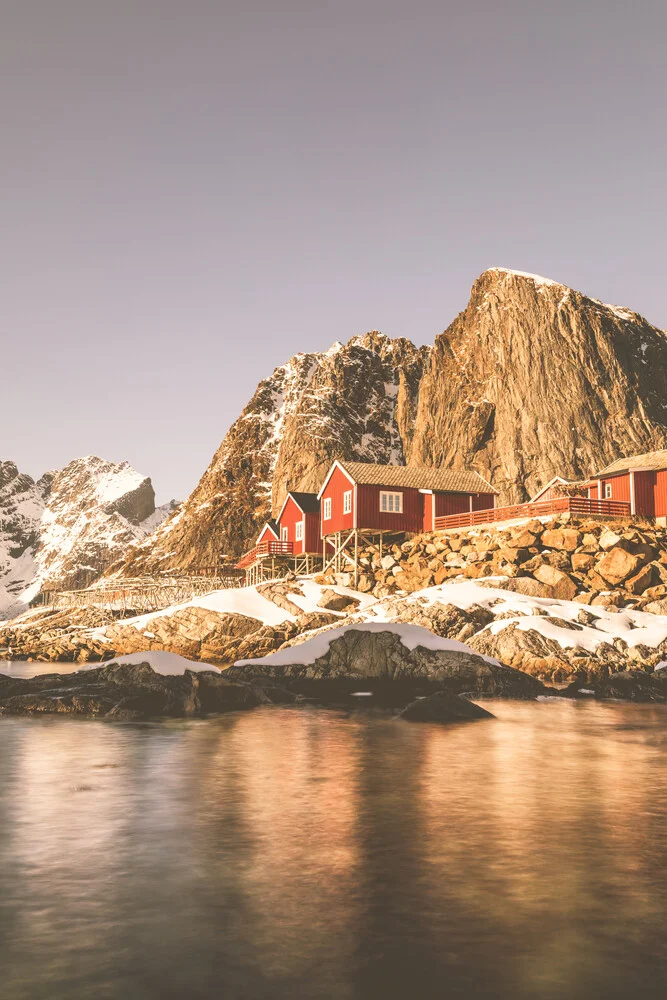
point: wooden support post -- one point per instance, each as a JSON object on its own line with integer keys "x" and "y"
{"x": 356, "y": 559}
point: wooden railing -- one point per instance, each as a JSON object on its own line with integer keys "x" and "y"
{"x": 580, "y": 506}
{"x": 265, "y": 549}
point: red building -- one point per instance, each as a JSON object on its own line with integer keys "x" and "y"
{"x": 269, "y": 533}
{"x": 299, "y": 522}
{"x": 359, "y": 496}
{"x": 640, "y": 480}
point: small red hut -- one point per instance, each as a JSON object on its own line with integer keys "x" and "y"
{"x": 365, "y": 497}
{"x": 640, "y": 480}
{"x": 299, "y": 522}
{"x": 269, "y": 533}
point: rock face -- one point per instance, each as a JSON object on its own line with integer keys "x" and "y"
{"x": 534, "y": 380}
{"x": 358, "y": 654}
{"x": 531, "y": 380}
{"x": 356, "y": 401}
{"x": 67, "y": 527}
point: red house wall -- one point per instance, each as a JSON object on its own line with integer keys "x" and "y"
{"x": 428, "y": 511}
{"x": 483, "y": 501}
{"x": 369, "y": 514}
{"x": 660, "y": 493}
{"x": 266, "y": 535}
{"x": 593, "y": 492}
{"x": 451, "y": 503}
{"x": 645, "y": 493}
{"x": 288, "y": 519}
{"x": 620, "y": 487}
{"x": 337, "y": 485}
{"x": 312, "y": 538}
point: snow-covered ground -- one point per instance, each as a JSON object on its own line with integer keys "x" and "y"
{"x": 527, "y": 613}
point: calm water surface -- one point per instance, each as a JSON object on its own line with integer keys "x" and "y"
{"x": 291, "y": 853}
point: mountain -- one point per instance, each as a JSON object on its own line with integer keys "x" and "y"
{"x": 356, "y": 401}
{"x": 67, "y": 527}
{"x": 534, "y": 380}
{"x": 531, "y": 380}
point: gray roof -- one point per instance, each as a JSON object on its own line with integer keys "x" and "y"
{"x": 438, "y": 480}
{"x": 308, "y": 502}
{"x": 651, "y": 460}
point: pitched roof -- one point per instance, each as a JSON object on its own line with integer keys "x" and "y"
{"x": 439, "y": 480}
{"x": 650, "y": 460}
{"x": 308, "y": 502}
{"x": 272, "y": 526}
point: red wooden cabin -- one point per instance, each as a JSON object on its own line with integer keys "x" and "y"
{"x": 640, "y": 480}
{"x": 359, "y": 495}
{"x": 299, "y": 522}
{"x": 269, "y": 533}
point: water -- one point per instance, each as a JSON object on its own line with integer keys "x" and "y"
{"x": 289, "y": 853}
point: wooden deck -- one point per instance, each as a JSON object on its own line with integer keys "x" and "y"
{"x": 264, "y": 549}
{"x": 577, "y": 506}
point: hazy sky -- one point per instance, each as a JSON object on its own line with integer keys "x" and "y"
{"x": 194, "y": 190}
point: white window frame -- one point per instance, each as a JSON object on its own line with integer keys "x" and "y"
{"x": 391, "y": 503}
{"x": 608, "y": 491}
{"x": 284, "y": 534}
{"x": 326, "y": 509}
{"x": 347, "y": 502}
{"x": 298, "y": 531}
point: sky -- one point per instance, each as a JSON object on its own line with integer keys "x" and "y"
{"x": 192, "y": 191}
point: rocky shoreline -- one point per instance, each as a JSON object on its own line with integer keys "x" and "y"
{"x": 560, "y": 600}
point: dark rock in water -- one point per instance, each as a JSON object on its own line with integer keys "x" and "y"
{"x": 444, "y": 707}
{"x": 377, "y": 656}
{"x": 627, "y": 685}
{"x": 127, "y": 691}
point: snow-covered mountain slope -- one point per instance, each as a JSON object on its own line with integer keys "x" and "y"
{"x": 64, "y": 529}
{"x": 355, "y": 401}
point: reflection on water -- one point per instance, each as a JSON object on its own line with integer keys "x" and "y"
{"x": 286, "y": 853}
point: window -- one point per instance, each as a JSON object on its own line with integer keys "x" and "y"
{"x": 347, "y": 502}
{"x": 607, "y": 491}
{"x": 326, "y": 509}
{"x": 284, "y": 533}
{"x": 298, "y": 533}
{"x": 391, "y": 503}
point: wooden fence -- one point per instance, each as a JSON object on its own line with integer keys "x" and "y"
{"x": 579, "y": 506}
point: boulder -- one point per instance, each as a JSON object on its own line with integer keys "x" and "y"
{"x": 562, "y": 587}
{"x": 528, "y": 586}
{"x": 379, "y": 653}
{"x": 333, "y": 601}
{"x": 617, "y": 565}
{"x": 444, "y": 707}
{"x": 561, "y": 538}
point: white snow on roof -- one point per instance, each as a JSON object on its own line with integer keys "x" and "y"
{"x": 411, "y": 637}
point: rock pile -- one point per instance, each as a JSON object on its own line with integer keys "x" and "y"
{"x": 590, "y": 561}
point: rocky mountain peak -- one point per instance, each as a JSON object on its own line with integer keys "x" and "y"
{"x": 64, "y": 529}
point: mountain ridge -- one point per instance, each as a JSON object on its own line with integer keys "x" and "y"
{"x": 65, "y": 528}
